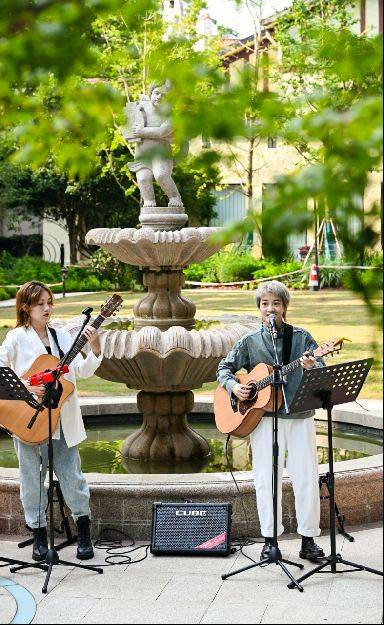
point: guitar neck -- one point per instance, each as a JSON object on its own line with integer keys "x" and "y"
{"x": 284, "y": 371}
{"x": 96, "y": 323}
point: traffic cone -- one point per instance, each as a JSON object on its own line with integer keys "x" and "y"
{"x": 314, "y": 278}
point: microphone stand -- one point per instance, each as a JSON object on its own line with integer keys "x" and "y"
{"x": 52, "y": 557}
{"x": 274, "y": 556}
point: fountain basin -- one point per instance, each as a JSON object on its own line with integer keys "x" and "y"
{"x": 156, "y": 249}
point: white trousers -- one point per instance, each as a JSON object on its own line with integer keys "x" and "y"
{"x": 298, "y": 438}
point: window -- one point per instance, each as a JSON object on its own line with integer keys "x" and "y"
{"x": 272, "y": 142}
{"x": 172, "y": 4}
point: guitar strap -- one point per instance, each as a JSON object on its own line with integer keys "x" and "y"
{"x": 54, "y": 335}
{"x": 287, "y": 343}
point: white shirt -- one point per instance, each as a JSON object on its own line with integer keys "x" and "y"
{"x": 20, "y": 349}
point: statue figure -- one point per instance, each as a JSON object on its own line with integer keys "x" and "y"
{"x": 152, "y": 133}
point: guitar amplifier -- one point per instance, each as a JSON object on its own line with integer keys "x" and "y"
{"x": 191, "y": 529}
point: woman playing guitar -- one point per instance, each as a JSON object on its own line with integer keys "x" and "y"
{"x": 31, "y": 338}
{"x": 297, "y": 434}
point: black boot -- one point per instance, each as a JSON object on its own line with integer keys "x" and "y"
{"x": 309, "y": 550}
{"x": 40, "y": 544}
{"x": 84, "y": 543}
{"x": 266, "y": 548}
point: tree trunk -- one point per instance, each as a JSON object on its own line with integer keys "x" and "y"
{"x": 71, "y": 226}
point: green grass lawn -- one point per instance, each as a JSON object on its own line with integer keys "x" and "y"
{"x": 326, "y": 314}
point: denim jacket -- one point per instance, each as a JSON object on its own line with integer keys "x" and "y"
{"x": 256, "y": 347}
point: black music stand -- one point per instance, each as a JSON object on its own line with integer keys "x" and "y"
{"x": 325, "y": 387}
{"x": 12, "y": 388}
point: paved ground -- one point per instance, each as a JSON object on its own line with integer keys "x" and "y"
{"x": 190, "y": 590}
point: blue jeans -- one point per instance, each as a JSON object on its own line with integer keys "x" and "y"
{"x": 67, "y": 467}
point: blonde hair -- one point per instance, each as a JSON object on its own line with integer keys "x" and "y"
{"x": 27, "y": 296}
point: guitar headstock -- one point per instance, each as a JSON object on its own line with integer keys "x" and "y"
{"x": 330, "y": 347}
{"x": 111, "y": 306}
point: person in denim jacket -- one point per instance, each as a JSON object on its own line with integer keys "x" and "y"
{"x": 297, "y": 433}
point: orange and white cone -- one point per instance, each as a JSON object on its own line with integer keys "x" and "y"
{"x": 313, "y": 278}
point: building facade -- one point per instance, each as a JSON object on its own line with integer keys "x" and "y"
{"x": 271, "y": 157}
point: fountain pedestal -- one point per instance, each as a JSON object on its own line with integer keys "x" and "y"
{"x": 165, "y": 435}
{"x": 164, "y": 306}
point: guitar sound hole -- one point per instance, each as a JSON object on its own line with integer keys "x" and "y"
{"x": 253, "y": 394}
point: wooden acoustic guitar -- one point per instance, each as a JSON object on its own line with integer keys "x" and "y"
{"x": 239, "y": 418}
{"x": 16, "y": 415}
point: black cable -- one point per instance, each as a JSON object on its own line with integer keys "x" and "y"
{"x": 242, "y": 541}
{"x": 109, "y": 546}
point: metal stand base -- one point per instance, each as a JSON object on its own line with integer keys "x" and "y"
{"x": 273, "y": 558}
{"x": 332, "y": 561}
{"x": 22, "y": 565}
{"x": 52, "y": 559}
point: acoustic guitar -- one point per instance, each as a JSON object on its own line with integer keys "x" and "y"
{"x": 239, "y": 418}
{"x": 16, "y": 415}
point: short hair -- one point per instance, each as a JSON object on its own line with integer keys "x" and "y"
{"x": 27, "y": 296}
{"x": 276, "y": 288}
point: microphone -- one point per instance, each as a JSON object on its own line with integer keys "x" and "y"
{"x": 272, "y": 325}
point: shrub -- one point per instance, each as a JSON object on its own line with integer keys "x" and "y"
{"x": 268, "y": 268}
{"x": 203, "y": 272}
{"x": 107, "y": 267}
{"x": 236, "y": 267}
{"x": 3, "y": 294}
{"x": 25, "y": 268}
{"x": 89, "y": 283}
{"x": 331, "y": 278}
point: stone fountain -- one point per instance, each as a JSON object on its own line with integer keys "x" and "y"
{"x": 163, "y": 356}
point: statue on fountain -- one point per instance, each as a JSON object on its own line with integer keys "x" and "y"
{"x": 151, "y": 130}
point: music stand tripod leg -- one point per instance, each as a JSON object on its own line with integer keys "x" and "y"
{"x": 71, "y": 539}
{"x": 324, "y": 479}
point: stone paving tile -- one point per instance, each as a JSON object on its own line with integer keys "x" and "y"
{"x": 33, "y": 580}
{"x": 352, "y": 590}
{"x": 112, "y": 611}
{"x": 244, "y": 612}
{"x": 289, "y": 614}
{"x": 262, "y": 590}
{"x": 185, "y": 565}
{"x": 7, "y": 606}
{"x": 199, "y": 587}
{"x": 113, "y": 585}
{"x": 54, "y": 609}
